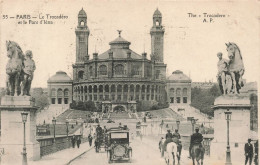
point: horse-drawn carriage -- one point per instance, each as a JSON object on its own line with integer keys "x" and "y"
{"x": 118, "y": 148}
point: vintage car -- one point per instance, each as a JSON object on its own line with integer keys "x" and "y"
{"x": 118, "y": 148}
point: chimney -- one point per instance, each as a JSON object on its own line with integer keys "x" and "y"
{"x": 144, "y": 55}
{"x": 128, "y": 54}
{"x": 95, "y": 56}
{"x": 110, "y": 53}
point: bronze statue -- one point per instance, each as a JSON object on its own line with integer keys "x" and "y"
{"x": 14, "y": 68}
{"x": 28, "y": 69}
{"x": 230, "y": 71}
{"x": 236, "y": 66}
{"x": 19, "y": 69}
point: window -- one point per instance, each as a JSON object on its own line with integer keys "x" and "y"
{"x": 178, "y": 92}
{"x": 90, "y": 71}
{"x": 172, "y": 99}
{"x": 66, "y": 101}
{"x": 81, "y": 74}
{"x": 178, "y": 100}
{"x": 119, "y": 97}
{"x": 59, "y": 100}
{"x": 185, "y": 92}
{"x": 82, "y": 23}
{"x": 53, "y": 92}
{"x": 184, "y": 99}
{"x": 112, "y": 97}
{"x": 66, "y": 93}
{"x": 172, "y": 90}
{"x": 53, "y": 100}
{"x": 60, "y": 94}
{"x": 157, "y": 74}
{"x": 95, "y": 97}
{"x": 103, "y": 70}
{"x": 119, "y": 69}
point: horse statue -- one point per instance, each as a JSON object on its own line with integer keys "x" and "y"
{"x": 171, "y": 153}
{"x": 197, "y": 153}
{"x": 235, "y": 67}
{"x": 14, "y": 68}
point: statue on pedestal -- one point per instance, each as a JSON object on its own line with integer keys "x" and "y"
{"x": 14, "y": 68}
{"x": 19, "y": 70}
{"x": 230, "y": 71}
{"x": 28, "y": 69}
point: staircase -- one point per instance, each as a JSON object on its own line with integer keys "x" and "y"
{"x": 121, "y": 115}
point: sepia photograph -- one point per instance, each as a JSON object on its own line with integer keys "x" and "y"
{"x": 141, "y": 82}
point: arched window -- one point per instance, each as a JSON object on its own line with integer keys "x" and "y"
{"x": 172, "y": 90}
{"x": 91, "y": 71}
{"x": 53, "y": 92}
{"x": 103, "y": 70}
{"x": 60, "y": 93}
{"x": 66, "y": 93}
{"x": 119, "y": 69}
{"x": 185, "y": 92}
{"x": 178, "y": 92}
{"x": 81, "y": 74}
{"x": 82, "y": 23}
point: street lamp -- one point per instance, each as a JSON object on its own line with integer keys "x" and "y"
{"x": 193, "y": 121}
{"x": 54, "y": 123}
{"x": 24, "y": 118}
{"x": 67, "y": 124}
{"x": 178, "y": 124}
{"x": 228, "y": 152}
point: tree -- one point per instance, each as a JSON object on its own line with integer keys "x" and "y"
{"x": 41, "y": 99}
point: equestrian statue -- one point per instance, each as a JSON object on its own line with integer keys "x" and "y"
{"x": 230, "y": 71}
{"x": 19, "y": 70}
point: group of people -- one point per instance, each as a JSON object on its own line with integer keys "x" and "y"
{"x": 250, "y": 151}
{"x": 75, "y": 140}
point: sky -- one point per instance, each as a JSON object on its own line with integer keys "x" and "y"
{"x": 190, "y": 45}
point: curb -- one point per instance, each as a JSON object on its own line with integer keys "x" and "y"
{"x": 78, "y": 156}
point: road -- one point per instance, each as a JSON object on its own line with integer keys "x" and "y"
{"x": 145, "y": 152}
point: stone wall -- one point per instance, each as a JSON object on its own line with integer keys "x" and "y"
{"x": 47, "y": 145}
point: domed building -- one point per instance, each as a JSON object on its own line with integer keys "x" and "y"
{"x": 60, "y": 88}
{"x": 178, "y": 88}
{"x": 119, "y": 77}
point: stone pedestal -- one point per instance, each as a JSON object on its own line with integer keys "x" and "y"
{"x": 239, "y": 127}
{"x": 12, "y": 130}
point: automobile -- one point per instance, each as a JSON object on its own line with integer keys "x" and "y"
{"x": 118, "y": 145}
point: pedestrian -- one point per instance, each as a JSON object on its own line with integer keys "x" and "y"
{"x": 256, "y": 153}
{"x": 90, "y": 140}
{"x": 248, "y": 152}
{"x": 78, "y": 141}
{"x": 73, "y": 140}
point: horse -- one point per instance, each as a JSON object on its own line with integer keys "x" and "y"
{"x": 197, "y": 153}
{"x": 14, "y": 68}
{"x": 171, "y": 153}
{"x": 236, "y": 66}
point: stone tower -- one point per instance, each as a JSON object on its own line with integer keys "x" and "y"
{"x": 82, "y": 34}
{"x": 157, "y": 37}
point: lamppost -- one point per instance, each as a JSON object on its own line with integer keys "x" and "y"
{"x": 178, "y": 124}
{"x": 67, "y": 124}
{"x": 228, "y": 153}
{"x": 24, "y": 118}
{"x": 193, "y": 121}
{"x": 54, "y": 123}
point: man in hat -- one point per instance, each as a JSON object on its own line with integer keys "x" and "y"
{"x": 248, "y": 152}
{"x": 195, "y": 138}
{"x": 176, "y": 134}
{"x": 169, "y": 134}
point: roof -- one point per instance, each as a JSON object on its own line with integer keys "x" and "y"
{"x": 157, "y": 13}
{"x": 120, "y": 48}
{"x": 82, "y": 13}
{"x": 60, "y": 76}
{"x": 179, "y": 76}
{"x": 119, "y": 53}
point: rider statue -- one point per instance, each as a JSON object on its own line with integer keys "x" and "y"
{"x": 28, "y": 69}
{"x": 222, "y": 72}
{"x": 195, "y": 138}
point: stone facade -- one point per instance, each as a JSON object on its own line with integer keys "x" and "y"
{"x": 60, "y": 89}
{"x": 119, "y": 76}
{"x": 178, "y": 88}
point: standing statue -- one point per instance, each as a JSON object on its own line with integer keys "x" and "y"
{"x": 236, "y": 66}
{"x": 230, "y": 71}
{"x": 14, "y": 68}
{"x": 28, "y": 69}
